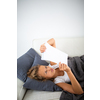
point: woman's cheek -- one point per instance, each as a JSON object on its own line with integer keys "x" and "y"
{"x": 50, "y": 74}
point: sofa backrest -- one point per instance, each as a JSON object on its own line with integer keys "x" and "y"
{"x": 71, "y": 46}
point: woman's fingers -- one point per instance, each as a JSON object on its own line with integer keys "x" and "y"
{"x": 42, "y": 48}
{"x": 62, "y": 66}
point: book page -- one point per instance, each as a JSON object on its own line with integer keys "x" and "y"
{"x": 54, "y": 55}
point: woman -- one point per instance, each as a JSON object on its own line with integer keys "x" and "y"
{"x": 58, "y": 73}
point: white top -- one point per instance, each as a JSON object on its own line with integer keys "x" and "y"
{"x": 60, "y": 79}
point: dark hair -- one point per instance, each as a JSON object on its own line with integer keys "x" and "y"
{"x": 33, "y": 74}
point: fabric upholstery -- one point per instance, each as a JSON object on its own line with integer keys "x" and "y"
{"x": 24, "y": 63}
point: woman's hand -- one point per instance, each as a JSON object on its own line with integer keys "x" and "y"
{"x": 42, "y": 48}
{"x": 50, "y": 42}
{"x": 64, "y": 67}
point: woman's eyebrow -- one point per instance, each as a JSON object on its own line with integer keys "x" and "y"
{"x": 46, "y": 67}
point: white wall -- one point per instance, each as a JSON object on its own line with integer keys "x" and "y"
{"x": 48, "y": 18}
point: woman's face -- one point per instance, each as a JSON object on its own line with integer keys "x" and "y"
{"x": 46, "y": 72}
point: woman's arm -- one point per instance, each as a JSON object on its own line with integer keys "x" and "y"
{"x": 66, "y": 87}
{"x": 50, "y": 42}
{"x": 75, "y": 86}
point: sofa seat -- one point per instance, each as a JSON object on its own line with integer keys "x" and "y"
{"x": 42, "y": 95}
{"x": 20, "y": 89}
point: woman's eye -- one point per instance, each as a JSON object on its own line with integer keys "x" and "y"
{"x": 45, "y": 66}
{"x": 46, "y": 72}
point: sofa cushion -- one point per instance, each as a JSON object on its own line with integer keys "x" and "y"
{"x": 39, "y": 85}
{"x": 38, "y": 60}
{"x": 24, "y": 63}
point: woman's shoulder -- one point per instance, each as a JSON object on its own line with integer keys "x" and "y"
{"x": 60, "y": 79}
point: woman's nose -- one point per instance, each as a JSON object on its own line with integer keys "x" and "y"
{"x": 48, "y": 69}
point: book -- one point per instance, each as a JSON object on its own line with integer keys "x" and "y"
{"x": 54, "y": 55}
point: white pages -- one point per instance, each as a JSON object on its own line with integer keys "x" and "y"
{"x": 54, "y": 55}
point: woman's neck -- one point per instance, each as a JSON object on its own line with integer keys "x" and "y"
{"x": 58, "y": 72}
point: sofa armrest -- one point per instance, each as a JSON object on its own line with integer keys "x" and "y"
{"x": 20, "y": 89}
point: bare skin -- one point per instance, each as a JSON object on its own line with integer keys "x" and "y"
{"x": 48, "y": 73}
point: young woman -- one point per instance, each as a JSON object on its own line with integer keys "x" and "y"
{"x": 58, "y": 73}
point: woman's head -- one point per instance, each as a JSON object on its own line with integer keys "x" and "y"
{"x": 41, "y": 72}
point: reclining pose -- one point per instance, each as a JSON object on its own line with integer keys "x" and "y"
{"x": 60, "y": 73}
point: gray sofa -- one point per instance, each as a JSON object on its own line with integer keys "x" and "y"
{"x": 72, "y": 46}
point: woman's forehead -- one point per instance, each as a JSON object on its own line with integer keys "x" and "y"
{"x": 42, "y": 67}
{"x": 41, "y": 70}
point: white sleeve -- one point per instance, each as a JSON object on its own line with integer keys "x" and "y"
{"x": 54, "y": 66}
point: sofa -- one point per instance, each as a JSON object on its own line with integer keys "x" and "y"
{"x": 72, "y": 46}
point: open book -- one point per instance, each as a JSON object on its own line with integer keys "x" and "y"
{"x": 54, "y": 55}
